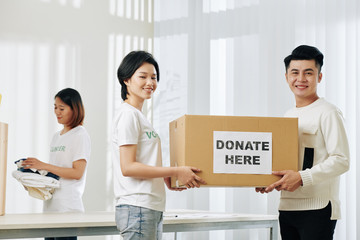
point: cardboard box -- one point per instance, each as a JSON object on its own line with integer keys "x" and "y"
{"x": 3, "y": 166}
{"x": 192, "y": 144}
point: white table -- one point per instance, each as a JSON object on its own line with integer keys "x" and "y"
{"x": 103, "y": 223}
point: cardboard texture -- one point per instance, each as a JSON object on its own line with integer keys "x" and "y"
{"x": 191, "y": 144}
{"x": 3, "y": 165}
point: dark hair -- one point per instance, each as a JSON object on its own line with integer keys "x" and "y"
{"x": 130, "y": 64}
{"x": 72, "y": 98}
{"x": 305, "y": 52}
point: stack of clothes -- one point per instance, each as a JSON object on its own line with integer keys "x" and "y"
{"x": 40, "y": 184}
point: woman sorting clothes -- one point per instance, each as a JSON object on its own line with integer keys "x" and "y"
{"x": 69, "y": 154}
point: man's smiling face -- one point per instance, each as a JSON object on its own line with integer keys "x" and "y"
{"x": 303, "y": 77}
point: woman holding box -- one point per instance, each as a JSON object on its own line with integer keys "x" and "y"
{"x": 138, "y": 172}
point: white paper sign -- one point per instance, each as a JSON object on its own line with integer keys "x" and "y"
{"x": 242, "y": 152}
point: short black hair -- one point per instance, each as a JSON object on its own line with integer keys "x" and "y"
{"x": 305, "y": 52}
{"x": 72, "y": 98}
{"x": 130, "y": 64}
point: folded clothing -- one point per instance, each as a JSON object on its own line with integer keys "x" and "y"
{"x": 35, "y": 180}
{"x": 34, "y": 170}
{"x": 40, "y": 184}
{"x": 40, "y": 193}
{"x": 48, "y": 174}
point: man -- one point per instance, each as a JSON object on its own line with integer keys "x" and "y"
{"x": 309, "y": 204}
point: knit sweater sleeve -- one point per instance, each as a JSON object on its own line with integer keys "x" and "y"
{"x": 337, "y": 148}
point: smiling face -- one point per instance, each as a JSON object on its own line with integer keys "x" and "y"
{"x": 142, "y": 84}
{"x": 63, "y": 112}
{"x": 303, "y": 77}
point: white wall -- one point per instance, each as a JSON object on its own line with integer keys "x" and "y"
{"x": 46, "y": 46}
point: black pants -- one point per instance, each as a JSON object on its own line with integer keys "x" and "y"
{"x": 61, "y": 238}
{"x": 307, "y": 225}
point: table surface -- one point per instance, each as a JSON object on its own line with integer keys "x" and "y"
{"x": 98, "y": 219}
{"x": 36, "y": 225}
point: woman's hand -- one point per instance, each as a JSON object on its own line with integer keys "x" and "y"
{"x": 34, "y": 163}
{"x": 167, "y": 181}
{"x": 75, "y": 172}
{"x": 186, "y": 175}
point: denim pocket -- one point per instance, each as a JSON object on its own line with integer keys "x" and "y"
{"x": 122, "y": 217}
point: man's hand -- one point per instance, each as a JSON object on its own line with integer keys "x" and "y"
{"x": 260, "y": 190}
{"x": 290, "y": 181}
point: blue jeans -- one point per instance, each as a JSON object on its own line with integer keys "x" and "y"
{"x": 138, "y": 223}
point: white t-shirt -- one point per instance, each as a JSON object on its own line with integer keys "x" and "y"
{"x": 130, "y": 126}
{"x": 64, "y": 150}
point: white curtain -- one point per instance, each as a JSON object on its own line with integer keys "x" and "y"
{"x": 48, "y": 45}
{"x": 226, "y": 58}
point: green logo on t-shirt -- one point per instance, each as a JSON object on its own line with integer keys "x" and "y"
{"x": 58, "y": 149}
{"x": 151, "y": 134}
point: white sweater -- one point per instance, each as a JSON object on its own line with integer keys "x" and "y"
{"x": 321, "y": 128}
